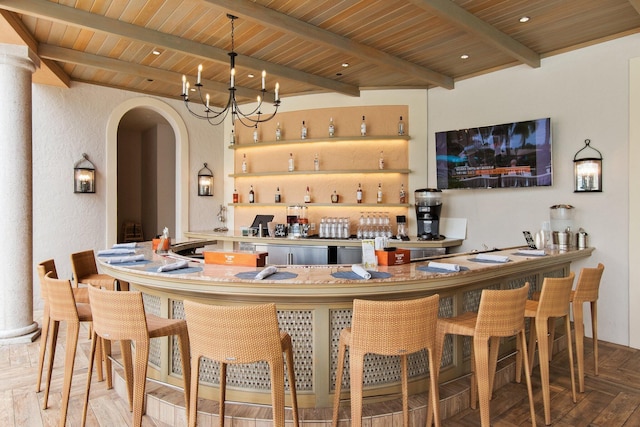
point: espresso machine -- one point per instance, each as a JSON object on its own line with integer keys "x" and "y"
{"x": 428, "y": 207}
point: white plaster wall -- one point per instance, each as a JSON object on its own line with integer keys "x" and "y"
{"x": 69, "y": 122}
{"x": 634, "y": 204}
{"x": 586, "y": 94}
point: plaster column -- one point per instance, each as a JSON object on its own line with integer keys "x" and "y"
{"x": 17, "y": 64}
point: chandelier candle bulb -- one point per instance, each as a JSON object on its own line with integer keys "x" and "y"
{"x": 186, "y": 93}
{"x": 184, "y": 84}
{"x": 277, "y": 90}
{"x": 199, "y": 80}
{"x": 233, "y": 78}
{"x": 208, "y": 97}
{"x": 264, "y": 75}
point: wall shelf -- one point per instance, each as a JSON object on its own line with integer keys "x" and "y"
{"x": 260, "y": 144}
{"x": 335, "y": 205}
{"x": 320, "y": 172}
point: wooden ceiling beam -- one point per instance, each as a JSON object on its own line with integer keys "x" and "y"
{"x": 71, "y": 16}
{"x": 13, "y": 31}
{"x": 635, "y": 4}
{"x": 281, "y": 22}
{"x": 455, "y": 14}
{"x": 56, "y": 53}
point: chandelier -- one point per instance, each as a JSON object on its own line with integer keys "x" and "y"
{"x": 216, "y": 116}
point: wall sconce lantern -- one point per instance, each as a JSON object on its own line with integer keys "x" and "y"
{"x": 84, "y": 176}
{"x": 587, "y": 171}
{"x": 205, "y": 181}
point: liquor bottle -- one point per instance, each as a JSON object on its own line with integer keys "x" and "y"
{"x": 403, "y": 194}
{"x": 252, "y": 195}
{"x": 307, "y": 196}
{"x": 379, "y": 195}
{"x": 400, "y": 127}
{"x": 278, "y": 132}
{"x": 255, "y": 134}
{"x": 245, "y": 168}
{"x": 232, "y": 138}
{"x": 291, "y": 165}
{"x": 334, "y": 197}
{"x": 303, "y": 131}
{"x": 332, "y": 128}
{"x": 363, "y": 127}
{"x": 359, "y": 194}
{"x": 235, "y": 196}
{"x": 278, "y": 197}
{"x": 316, "y": 163}
{"x": 381, "y": 161}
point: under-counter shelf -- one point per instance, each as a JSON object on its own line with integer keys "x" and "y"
{"x": 368, "y": 205}
{"x": 320, "y": 140}
{"x": 320, "y": 172}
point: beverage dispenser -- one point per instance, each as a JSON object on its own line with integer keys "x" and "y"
{"x": 428, "y": 207}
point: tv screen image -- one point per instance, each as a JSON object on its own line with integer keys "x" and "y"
{"x": 510, "y": 155}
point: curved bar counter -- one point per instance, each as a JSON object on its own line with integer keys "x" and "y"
{"x": 314, "y": 306}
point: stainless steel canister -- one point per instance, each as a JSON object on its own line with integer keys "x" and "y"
{"x": 583, "y": 239}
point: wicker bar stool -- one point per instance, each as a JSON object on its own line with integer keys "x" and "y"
{"x": 500, "y": 314}
{"x": 553, "y": 304}
{"x": 389, "y": 328}
{"x": 240, "y": 335}
{"x": 120, "y": 316}
{"x": 587, "y": 289}
{"x": 85, "y": 270}
{"x": 63, "y": 308}
{"x": 80, "y": 294}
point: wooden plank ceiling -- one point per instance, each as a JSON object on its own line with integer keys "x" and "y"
{"x": 301, "y": 44}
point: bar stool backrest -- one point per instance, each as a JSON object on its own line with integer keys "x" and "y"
{"x": 394, "y": 327}
{"x": 43, "y": 268}
{"x": 118, "y": 315}
{"x": 234, "y": 334}
{"x": 588, "y": 284}
{"x": 83, "y": 264}
{"x": 554, "y": 298}
{"x": 501, "y": 312}
{"x": 62, "y": 303}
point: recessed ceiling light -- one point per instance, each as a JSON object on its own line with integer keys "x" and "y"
{"x": 251, "y": 75}
{"x": 345, "y": 64}
{"x": 524, "y": 19}
{"x": 156, "y": 52}
{"x": 464, "y": 56}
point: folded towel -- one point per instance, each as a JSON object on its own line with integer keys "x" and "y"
{"x": 534, "y": 252}
{"x": 444, "y": 266}
{"x": 123, "y": 259}
{"x": 130, "y": 245}
{"x": 360, "y": 271}
{"x": 494, "y": 258}
{"x": 116, "y": 251}
{"x": 175, "y": 266}
{"x": 266, "y": 273}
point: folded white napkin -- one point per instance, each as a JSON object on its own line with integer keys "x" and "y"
{"x": 534, "y": 252}
{"x": 444, "y": 266}
{"x": 266, "y": 273}
{"x": 116, "y": 251}
{"x": 174, "y": 266}
{"x": 360, "y": 271}
{"x": 130, "y": 245}
{"x": 494, "y": 258}
{"x": 123, "y": 259}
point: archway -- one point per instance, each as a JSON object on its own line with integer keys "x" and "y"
{"x": 181, "y": 165}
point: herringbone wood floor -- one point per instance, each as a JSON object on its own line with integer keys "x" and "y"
{"x": 611, "y": 399}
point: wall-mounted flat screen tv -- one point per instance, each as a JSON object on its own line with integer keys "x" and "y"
{"x": 511, "y": 155}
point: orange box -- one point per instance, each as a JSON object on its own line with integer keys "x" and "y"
{"x": 397, "y": 257}
{"x": 251, "y": 259}
{"x": 165, "y": 246}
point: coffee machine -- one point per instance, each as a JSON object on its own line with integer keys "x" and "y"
{"x": 428, "y": 207}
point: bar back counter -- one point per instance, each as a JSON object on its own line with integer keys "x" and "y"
{"x": 314, "y": 304}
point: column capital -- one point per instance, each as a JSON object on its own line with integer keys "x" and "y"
{"x": 19, "y": 56}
